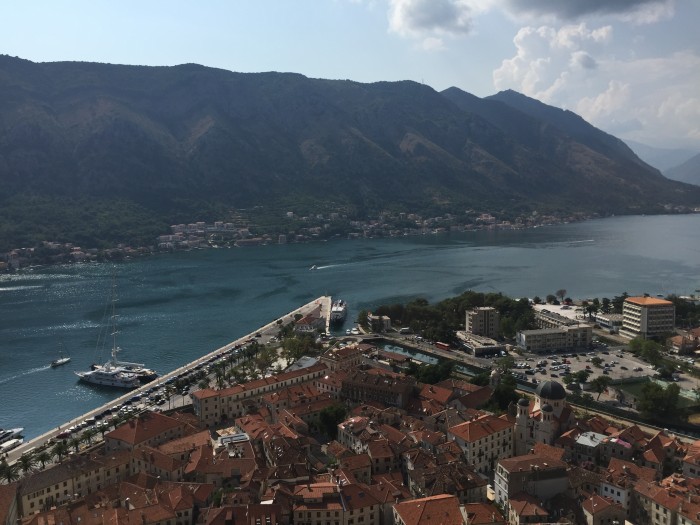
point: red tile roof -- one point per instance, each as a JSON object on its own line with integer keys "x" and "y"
{"x": 479, "y": 428}
{"x": 442, "y": 509}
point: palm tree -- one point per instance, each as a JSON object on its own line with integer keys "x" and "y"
{"x": 169, "y": 391}
{"x": 43, "y": 457}
{"x": 8, "y": 472}
{"x": 203, "y": 383}
{"x": 60, "y": 449}
{"x": 75, "y": 442}
{"x": 89, "y": 434}
{"x": 26, "y": 462}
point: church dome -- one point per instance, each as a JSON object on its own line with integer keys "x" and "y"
{"x": 547, "y": 408}
{"x": 551, "y": 390}
{"x": 523, "y": 402}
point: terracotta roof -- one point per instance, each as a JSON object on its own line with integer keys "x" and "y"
{"x": 186, "y": 443}
{"x": 483, "y": 514}
{"x": 621, "y": 473}
{"x": 442, "y": 509}
{"x": 525, "y": 505}
{"x": 530, "y": 461}
{"x": 648, "y": 301}
{"x": 478, "y": 429}
{"x": 143, "y": 428}
{"x": 596, "y": 504}
{"x": 436, "y": 393}
{"x": 355, "y": 462}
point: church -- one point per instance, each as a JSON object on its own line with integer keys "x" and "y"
{"x": 544, "y": 419}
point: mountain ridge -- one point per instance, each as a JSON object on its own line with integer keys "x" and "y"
{"x": 187, "y": 142}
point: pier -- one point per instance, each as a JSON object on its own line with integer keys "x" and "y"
{"x": 266, "y": 331}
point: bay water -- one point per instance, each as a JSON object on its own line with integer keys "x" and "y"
{"x": 175, "y": 307}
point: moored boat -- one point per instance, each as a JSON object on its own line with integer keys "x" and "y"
{"x": 339, "y": 310}
{"x": 115, "y": 373}
{"x": 108, "y": 375}
{"x": 10, "y": 433}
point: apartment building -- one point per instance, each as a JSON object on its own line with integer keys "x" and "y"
{"x": 334, "y": 504}
{"x": 539, "y": 476}
{"x": 72, "y": 479}
{"x": 647, "y": 317}
{"x": 484, "y": 321}
{"x": 545, "y": 340}
{"x": 484, "y": 441}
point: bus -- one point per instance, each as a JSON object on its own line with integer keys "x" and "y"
{"x": 443, "y": 346}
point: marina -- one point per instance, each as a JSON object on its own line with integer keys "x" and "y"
{"x": 127, "y": 402}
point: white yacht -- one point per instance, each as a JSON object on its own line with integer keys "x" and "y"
{"x": 10, "y": 433}
{"x": 108, "y": 375}
{"x": 115, "y": 373}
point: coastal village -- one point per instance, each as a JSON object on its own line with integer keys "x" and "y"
{"x": 270, "y": 451}
{"x": 293, "y": 228}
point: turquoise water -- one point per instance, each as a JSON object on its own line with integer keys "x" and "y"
{"x": 174, "y": 308}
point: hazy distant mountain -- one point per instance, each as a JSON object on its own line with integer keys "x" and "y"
{"x": 116, "y": 152}
{"x": 661, "y": 158}
{"x": 688, "y": 172}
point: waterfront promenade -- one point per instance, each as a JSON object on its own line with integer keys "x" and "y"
{"x": 266, "y": 332}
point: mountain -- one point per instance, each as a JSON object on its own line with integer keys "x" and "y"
{"x": 662, "y": 159}
{"x": 688, "y": 172}
{"x": 98, "y": 152}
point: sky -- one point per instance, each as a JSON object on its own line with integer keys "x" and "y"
{"x": 630, "y": 67}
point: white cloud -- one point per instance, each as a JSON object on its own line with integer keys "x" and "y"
{"x": 421, "y": 17}
{"x": 645, "y": 99}
{"x": 547, "y": 58}
{"x": 608, "y": 102}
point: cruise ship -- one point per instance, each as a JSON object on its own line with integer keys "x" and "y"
{"x": 339, "y": 310}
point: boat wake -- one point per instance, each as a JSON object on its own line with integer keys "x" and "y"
{"x": 25, "y": 373}
{"x": 18, "y": 288}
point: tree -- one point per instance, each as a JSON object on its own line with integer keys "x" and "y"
{"x": 651, "y": 400}
{"x": 505, "y": 394}
{"x": 26, "y": 462}
{"x": 330, "y": 417}
{"x": 606, "y": 305}
{"x": 582, "y": 376}
{"x": 43, "y": 457}
{"x": 75, "y": 442}
{"x": 169, "y": 391}
{"x": 60, "y": 449}
{"x": 596, "y": 361}
{"x": 89, "y": 434}
{"x": 9, "y": 472}
{"x": 561, "y": 293}
{"x": 505, "y": 363}
{"x": 551, "y": 299}
{"x": 536, "y": 299}
{"x": 600, "y": 384}
{"x": 363, "y": 319}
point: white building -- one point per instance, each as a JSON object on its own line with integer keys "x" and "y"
{"x": 647, "y": 317}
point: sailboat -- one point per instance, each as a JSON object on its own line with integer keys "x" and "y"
{"x": 62, "y": 360}
{"x": 115, "y": 373}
